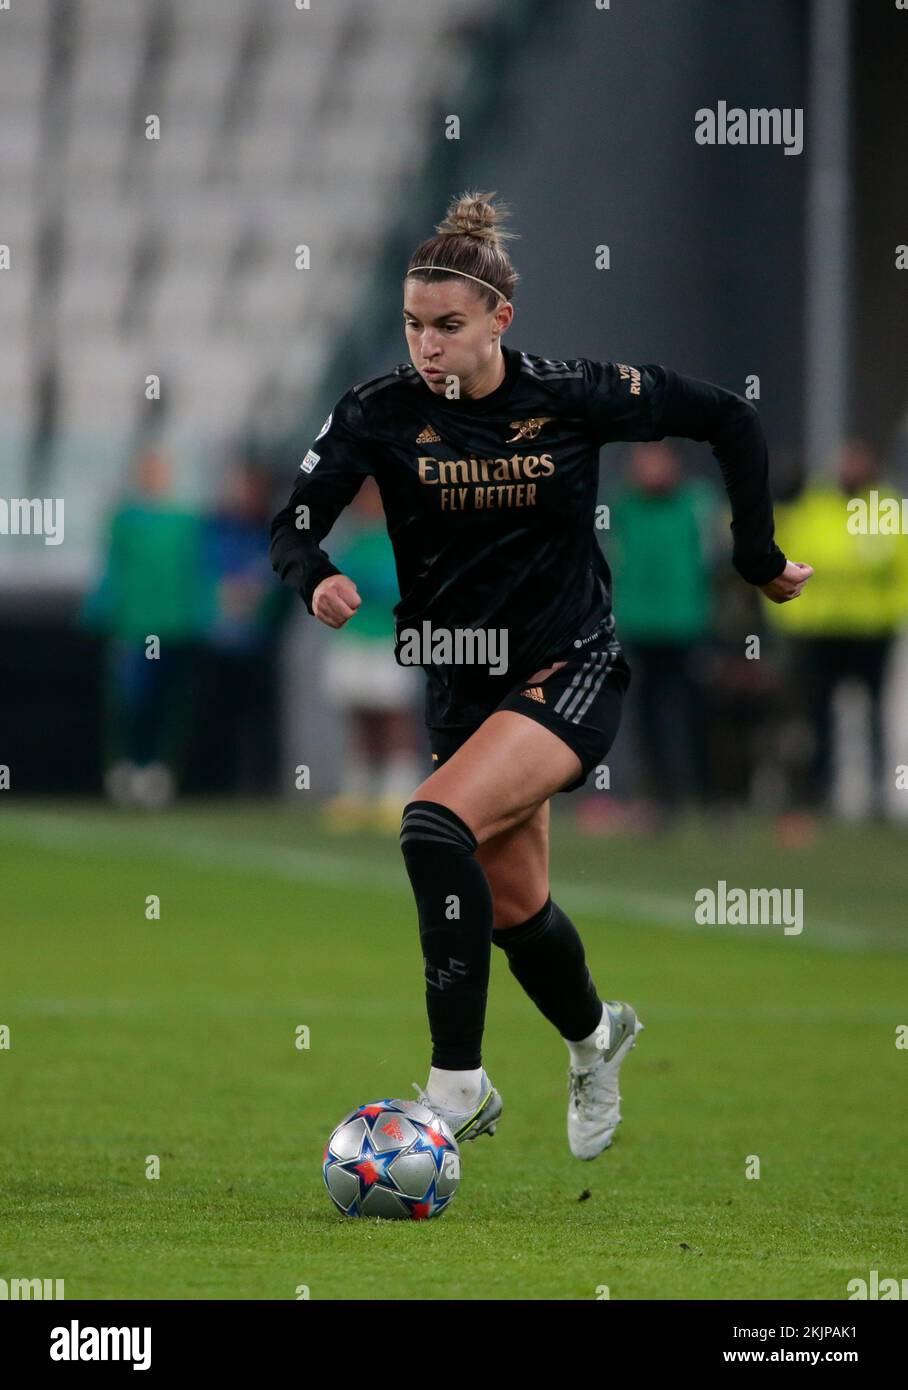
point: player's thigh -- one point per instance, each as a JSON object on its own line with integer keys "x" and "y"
{"x": 516, "y": 863}
{"x": 502, "y": 773}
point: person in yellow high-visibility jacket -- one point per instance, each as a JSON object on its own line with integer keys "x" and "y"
{"x": 857, "y": 603}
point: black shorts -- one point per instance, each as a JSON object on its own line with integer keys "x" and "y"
{"x": 580, "y": 702}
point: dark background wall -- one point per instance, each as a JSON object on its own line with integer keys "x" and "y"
{"x": 879, "y": 398}
{"x": 593, "y": 142}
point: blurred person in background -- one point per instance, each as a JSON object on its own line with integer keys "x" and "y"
{"x": 236, "y": 746}
{"x": 663, "y": 555}
{"x": 858, "y": 604}
{"x": 364, "y": 682}
{"x": 744, "y": 693}
{"x": 745, "y": 682}
{"x": 151, "y": 588}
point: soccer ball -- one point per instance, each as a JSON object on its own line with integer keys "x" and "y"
{"x": 393, "y": 1158}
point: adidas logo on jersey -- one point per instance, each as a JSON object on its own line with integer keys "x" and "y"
{"x": 428, "y": 436}
{"x": 534, "y": 692}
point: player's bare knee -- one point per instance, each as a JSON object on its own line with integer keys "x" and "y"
{"x": 423, "y": 792}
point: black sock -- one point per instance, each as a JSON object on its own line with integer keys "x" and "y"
{"x": 545, "y": 954}
{"x": 454, "y": 903}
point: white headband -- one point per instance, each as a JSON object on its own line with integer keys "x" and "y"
{"x": 449, "y": 270}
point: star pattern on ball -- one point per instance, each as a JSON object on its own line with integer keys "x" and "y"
{"x": 429, "y": 1204}
{"x": 433, "y": 1140}
{"x": 375, "y": 1108}
{"x": 371, "y": 1167}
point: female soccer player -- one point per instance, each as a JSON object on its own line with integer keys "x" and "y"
{"x": 487, "y": 462}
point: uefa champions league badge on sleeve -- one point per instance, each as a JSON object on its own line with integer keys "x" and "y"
{"x": 325, "y": 427}
{"x": 310, "y": 461}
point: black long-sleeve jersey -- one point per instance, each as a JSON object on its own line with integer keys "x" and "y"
{"x": 490, "y": 503}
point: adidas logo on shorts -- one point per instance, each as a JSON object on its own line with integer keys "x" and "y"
{"x": 534, "y": 692}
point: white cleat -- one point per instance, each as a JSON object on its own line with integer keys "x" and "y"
{"x": 469, "y": 1124}
{"x": 594, "y": 1107}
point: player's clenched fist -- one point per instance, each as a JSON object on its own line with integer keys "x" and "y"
{"x": 335, "y": 600}
{"x": 788, "y": 584}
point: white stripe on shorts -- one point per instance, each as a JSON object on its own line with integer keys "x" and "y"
{"x": 610, "y": 661}
{"x": 579, "y": 686}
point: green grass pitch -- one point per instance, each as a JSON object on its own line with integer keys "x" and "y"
{"x": 176, "y": 1038}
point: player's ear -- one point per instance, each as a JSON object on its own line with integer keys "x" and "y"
{"x": 502, "y": 324}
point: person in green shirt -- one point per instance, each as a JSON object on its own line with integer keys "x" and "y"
{"x": 151, "y": 588}
{"x": 661, "y": 554}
